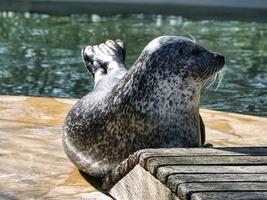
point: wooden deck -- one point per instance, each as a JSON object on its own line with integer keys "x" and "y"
{"x": 192, "y": 174}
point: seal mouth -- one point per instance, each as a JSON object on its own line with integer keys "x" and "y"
{"x": 220, "y": 59}
{"x": 220, "y": 62}
{"x": 215, "y": 73}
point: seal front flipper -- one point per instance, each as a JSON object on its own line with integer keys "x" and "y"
{"x": 203, "y": 134}
{"x": 202, "y": 130}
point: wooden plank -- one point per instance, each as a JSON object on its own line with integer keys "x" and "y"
{"x": 139, "y": 184}
{"x": 230, "y": 195}
{"x": 208, "y": 151}
{"x": 164, "y": 172}
{"x": 185, "y": 190}
{"x": 226, "y": 151}
{"x": 153, "y": 163}
{"x": 142, "y": 155}
{"x": 175, "y": 180}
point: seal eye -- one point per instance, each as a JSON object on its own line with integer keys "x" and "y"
{"x": 195, "y": 51}
{"x": 180, "y": 51}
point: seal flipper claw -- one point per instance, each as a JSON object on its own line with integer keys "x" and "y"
{"x": 106, "y": 49}
{"x": 118, "y": 49}
{"x": 88, "y": 62}
{"x": 121, "y": 44}
{"x": 91, "y": 62}
{"x": 207, "y": 145}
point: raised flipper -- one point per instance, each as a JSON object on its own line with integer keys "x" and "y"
{"x": 103, "y": 58}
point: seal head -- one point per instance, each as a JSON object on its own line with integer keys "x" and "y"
{"x": 155, "y": 104}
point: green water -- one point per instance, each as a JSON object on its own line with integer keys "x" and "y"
{"x": 40, "y": 54}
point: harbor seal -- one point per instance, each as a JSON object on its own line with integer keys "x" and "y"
{"x": 155, "y": 104}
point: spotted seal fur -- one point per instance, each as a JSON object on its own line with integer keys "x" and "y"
{"x": 154, "y": 104}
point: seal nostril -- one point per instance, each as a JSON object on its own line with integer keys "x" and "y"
{"x": 220, "y": 58}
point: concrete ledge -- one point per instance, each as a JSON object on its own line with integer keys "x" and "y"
{"x": 33, "y": 163}
{"x": 227, "y": 9}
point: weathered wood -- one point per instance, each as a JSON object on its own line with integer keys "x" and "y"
{"x": 153, "y": 163}
{"x": 164, "y": 172}
{"x": 230, "y": 195}
{"x": 152, "y": 159}
{"x": 185, "y": 190}
{"x": 175, "y": 180}
{"x": 121, "y": 170}
{"x": 189, "y": 171}
{"x": 207, "y": 151}
{"x": 139, "y": 184}
{"x": 228, "y": 151}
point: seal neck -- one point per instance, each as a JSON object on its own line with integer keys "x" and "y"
{"x": 153, "y": 83}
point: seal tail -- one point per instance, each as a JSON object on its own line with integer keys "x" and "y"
{"x": 97, "y": 57}
{"x": 91, "y": 65}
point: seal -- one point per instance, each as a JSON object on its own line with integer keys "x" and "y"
{"x": 155, "y": 104}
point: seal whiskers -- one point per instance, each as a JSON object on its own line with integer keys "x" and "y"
{"x": 217, "y": 77}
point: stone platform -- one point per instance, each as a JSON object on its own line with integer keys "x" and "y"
{"x": 32, "y": 160}
{"x": 34, "y": 166}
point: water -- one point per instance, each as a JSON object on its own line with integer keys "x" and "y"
{"x": 40, "y": 54}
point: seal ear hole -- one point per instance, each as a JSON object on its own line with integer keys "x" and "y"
{"x": 195, "y": 51}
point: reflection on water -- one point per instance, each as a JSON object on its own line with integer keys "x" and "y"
{"x": 40, "y": 54}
